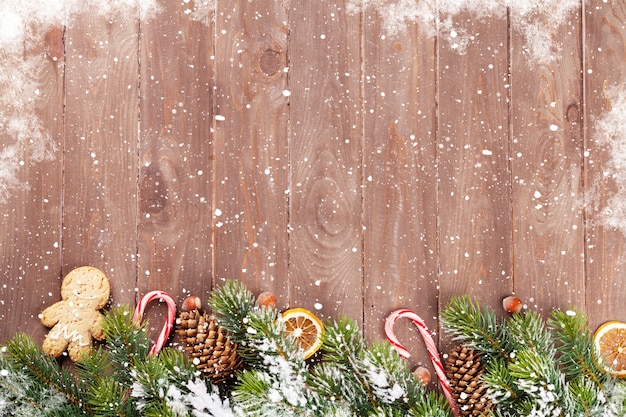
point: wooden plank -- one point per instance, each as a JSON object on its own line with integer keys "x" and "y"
{"x": 251, "y": 145}
{"x": 30, "y": 248}
{"x": 546, "y": 165}
{"x": 605, "y": 70}
{"x": 175, "y": 153}
{"x": 325, "y": 160}
{"x": 399, "y": 205}
{"x": 100, "y": 150}
{"x": 474, "y": 184}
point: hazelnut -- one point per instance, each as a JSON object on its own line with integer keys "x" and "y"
{"x": 512, "y": 304}
{"x": 266, "y": 299}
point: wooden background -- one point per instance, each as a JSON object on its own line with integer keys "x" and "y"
{"x": 292, "y": 146}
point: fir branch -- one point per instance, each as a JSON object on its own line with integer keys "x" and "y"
{"x": 257, "y": 396}
{"x": 150, "y": 383}
{"x": 475, "y": 328}
{"x": 396, "y": 389}
{"x": 107, "y": 394}
{"x": 528, "y": 331}
{"x": 587, "y": 397}
{"x": 430, "y": 405}
{"x": 338, "y": 383}
{"x": 22, "y": 350}
{"x": 343, "y": 344}
{"x": 169, "y": 385}
{"x": 231, "y": 303}
{"x": 22, "y": 395}
{"x": 108, "y": 398}
{"x": 386, "y": 373}
{"x": 127, "y": 341}
{"x": 575, "y": 346}
{"x": 538, "y": 377}
{"x": 277, "y": 361}
{"x": 159, "y": 410}
{"x": 341, "y": 337}
{"x": 616, "y": 401}
{"x": 501, "y": 384}
{"x": 374, "y": 380}
{"x": 264, "y": 333}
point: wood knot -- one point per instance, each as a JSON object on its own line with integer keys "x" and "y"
{"x": 54, "y": 42}
{"x": 270, "y": 62}
{"x": 573, "y": 113}
{"x": 153, "y": 191}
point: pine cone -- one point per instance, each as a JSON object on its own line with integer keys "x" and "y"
{"x": 464, "y": 369}
{"x": 208, "y": 345}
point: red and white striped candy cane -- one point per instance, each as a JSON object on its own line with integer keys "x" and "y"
{"x": 430, "y": 346}
{"x": 169, "y": 322}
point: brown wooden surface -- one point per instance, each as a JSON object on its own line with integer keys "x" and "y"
{"x": 303, "y": 150}
{"x": 605, "y": 59}
{"x": 325, "y": 145}
{"x": 99, "y": 152}
{"x": 546, "y": 169}
{"x": 399, "y": 181}
{"x": 474, "y": 189}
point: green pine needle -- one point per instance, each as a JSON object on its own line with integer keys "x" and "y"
{"x": 528, "y": 330}
{"x": 538, "y": 376}
{"x": 575, "y": 346}
{"x": 108, "y": 398}
{"x": 342, "y": 340}
{"x": 23, "y": 395}
{"x": 588, "y": 399}
{"x": 475, "y": 328}
{"x": 501, "y": 383}
{"x": 126, "y": 340}
{"x": 258, "y": 394}
{"x": 231, "y": 303}
{"x": 22, "y": 349}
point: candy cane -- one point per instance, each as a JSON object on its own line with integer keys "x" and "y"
{"x": 169, "y": 322}
{"x": 430, "y": 346}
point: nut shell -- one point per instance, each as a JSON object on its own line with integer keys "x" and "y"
{"x": 512, "y": 304}
{"x": 423, "y": 375}
{"x": 191, "y": 303}
{"x": 266, "y": 299}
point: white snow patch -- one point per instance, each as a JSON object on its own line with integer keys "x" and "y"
{"x": 23, "y": 27}
{"x": 534, "y": 19}
{"x": 201, "y": 10}
{"x": 610, "y": 131}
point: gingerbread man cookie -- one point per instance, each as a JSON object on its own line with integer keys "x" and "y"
{"x": 76, "y": 320}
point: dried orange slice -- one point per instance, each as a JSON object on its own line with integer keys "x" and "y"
{"x": 610, "y": 343}
{"x": 306, "y": 328}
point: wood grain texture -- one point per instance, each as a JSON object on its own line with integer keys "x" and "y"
{"x": 297, "y": 147}
{"x": 175, "y": 242}
{"x": 325, "y": 160}
{"x": 546, "y": 165}
{"x": 100, "y": 149}
{"x": 30, "y": 225}
{"x": 605, "y": 62}
{"x": 252, "y": 145}
{"x": 473, "y": 157}
{"x": 400, "y": 181}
